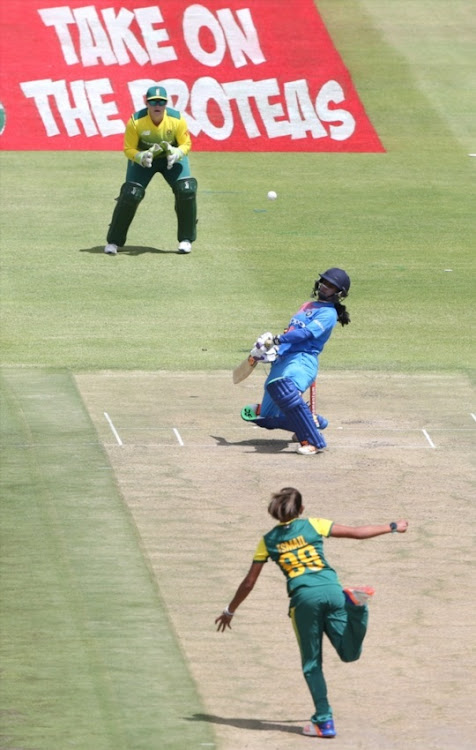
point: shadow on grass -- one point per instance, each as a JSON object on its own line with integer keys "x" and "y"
{"x": 128, "y": 250}
{"x": 254, "y": 724}
{"x": 260, "y": 446}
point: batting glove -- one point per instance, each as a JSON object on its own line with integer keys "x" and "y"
{"x": 258, "y": 354}
{"x": 261, "y": 354}
{"x": 271, "y": 354}
{"x": 265, "y": 340}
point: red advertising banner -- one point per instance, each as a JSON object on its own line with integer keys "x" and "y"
{"x": 249, "y": 75}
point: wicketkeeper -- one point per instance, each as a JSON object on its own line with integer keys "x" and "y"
{"x": 156, "y": 140}
{"x": 294, "y": 363}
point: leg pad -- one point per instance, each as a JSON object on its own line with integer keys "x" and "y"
{"x": 130, "y": 196}
{"x": 287, "y": 397}
{"x": 185, "y": 191}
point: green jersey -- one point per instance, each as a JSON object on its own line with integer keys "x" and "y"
{"x": 297, "y": 548}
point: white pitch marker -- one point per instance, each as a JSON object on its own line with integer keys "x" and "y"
{"x": 113, "y": 429}
{"x": 177, "y": 435}
{"x": 473, "y": 415}
{"x": 432, "y": 445}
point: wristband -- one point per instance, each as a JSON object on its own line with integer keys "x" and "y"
{"x": 393, "y": 527}
{"x": 227, "y": 612}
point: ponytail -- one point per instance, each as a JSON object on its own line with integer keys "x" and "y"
{"x": 342, "y": 315}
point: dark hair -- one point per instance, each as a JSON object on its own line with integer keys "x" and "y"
{"x": 342, "y": 315}
{"x": 285, "y": 504}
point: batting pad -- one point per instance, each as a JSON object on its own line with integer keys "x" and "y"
{"x": 285, "y": 395}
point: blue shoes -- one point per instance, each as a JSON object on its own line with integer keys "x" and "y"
{"x": 324, "y": 729}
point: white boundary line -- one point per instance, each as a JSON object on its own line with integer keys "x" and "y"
{"x": 113, "y": 429}
{"x": 177, "y": 435}
{"x": 428, "y": 438}
{"x": 473, "y": 415}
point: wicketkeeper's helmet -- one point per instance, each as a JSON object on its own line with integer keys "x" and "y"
{"x": 338, "y": 278}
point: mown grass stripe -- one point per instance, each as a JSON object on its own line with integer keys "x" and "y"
{"x": 89, "y": 657}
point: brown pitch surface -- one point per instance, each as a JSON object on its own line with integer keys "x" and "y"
{"x": 197, "y": 480}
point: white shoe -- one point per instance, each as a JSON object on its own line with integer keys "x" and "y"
{"x": 184, "y": 247}
{"x": 305, "y": 449}
{"x": 110, "y": 249}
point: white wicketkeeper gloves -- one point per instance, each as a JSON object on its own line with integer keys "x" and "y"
{"x": 146, "y": 157}
{"x": 174, "y": 153}
{"x": 263, "y": 349}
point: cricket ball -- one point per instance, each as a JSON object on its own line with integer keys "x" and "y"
{"x": 272, "y": 195}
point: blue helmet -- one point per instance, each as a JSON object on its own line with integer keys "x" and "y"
{"x": 338, "y": 278}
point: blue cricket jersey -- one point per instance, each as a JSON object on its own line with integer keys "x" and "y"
{"x": 308, "y": 329}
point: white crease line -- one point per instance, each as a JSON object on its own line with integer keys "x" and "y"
{"x": 428, "y": 438}
{"x": 177, "y": 435}
{"x": 114, "y": 431}
{"x": 473, "y": 415}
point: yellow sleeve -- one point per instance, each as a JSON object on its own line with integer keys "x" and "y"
{"x": 131, "y": 140}
{"x": 182, "y": 136}
{"x": 261, "y": 554}
{"x": 322, "y": 525}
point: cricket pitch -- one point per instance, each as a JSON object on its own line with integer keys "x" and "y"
{"x": 197, "y": 481}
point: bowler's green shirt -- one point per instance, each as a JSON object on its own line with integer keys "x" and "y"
{"x": 297, "y": 548}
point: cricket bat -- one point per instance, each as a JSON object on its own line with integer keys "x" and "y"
{"x": 244, "y": 369}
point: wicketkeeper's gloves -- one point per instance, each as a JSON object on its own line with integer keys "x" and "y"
{"x": 174, "y": 153}
{"x": 144, "y": 158}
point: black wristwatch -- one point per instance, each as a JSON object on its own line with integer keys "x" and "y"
{"x": 393, "y": 527}
{"x": 276, "y": 340}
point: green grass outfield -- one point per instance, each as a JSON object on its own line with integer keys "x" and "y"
{"x": 89, "y": 659}
{"x": 86, "y": 643}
